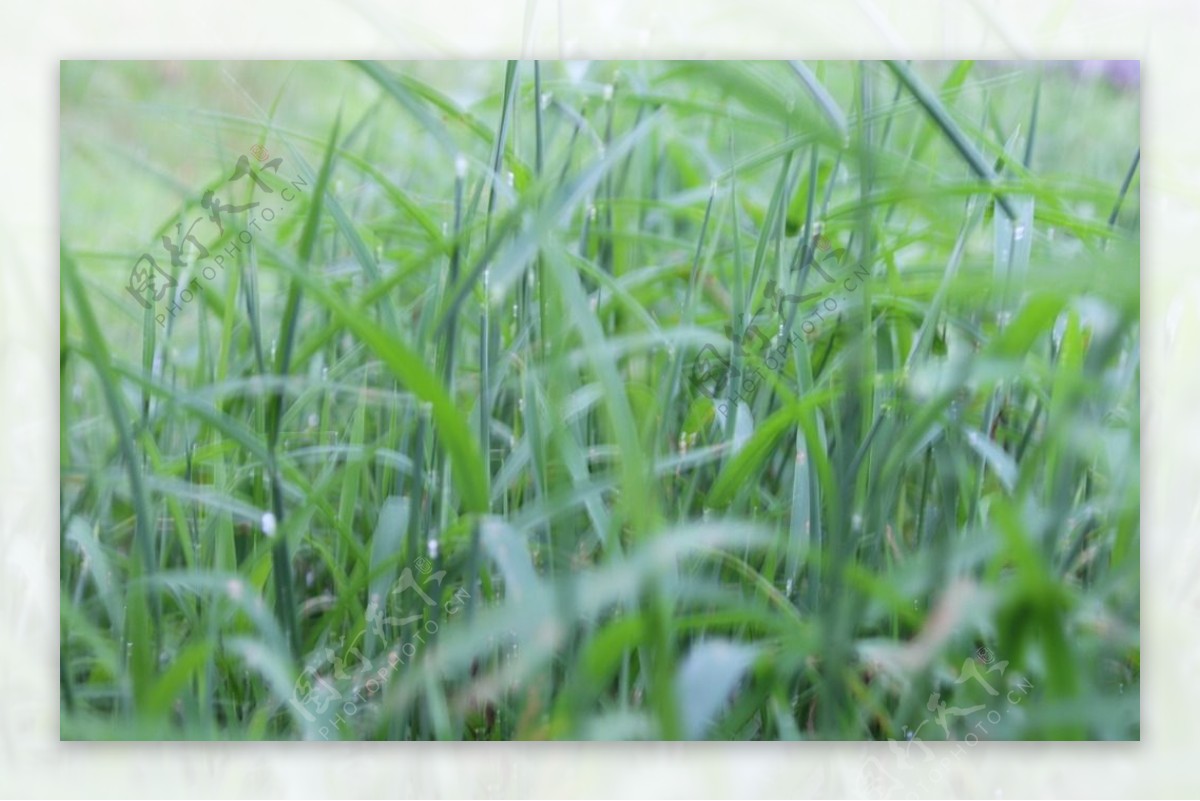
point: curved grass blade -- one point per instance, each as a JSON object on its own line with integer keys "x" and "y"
{"x": 825, "y": 100}
{"x": 411, "y": 371}
{"x": 143, "y": 626}
{"x": 934, "y": 108}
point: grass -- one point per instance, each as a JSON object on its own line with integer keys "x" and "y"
{"x": 666, "y": 400}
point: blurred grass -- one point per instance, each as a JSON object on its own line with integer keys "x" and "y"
{"x": 426, "y": 459}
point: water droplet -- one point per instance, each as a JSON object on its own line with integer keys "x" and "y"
{"x": 268, "y": 524}
{"x": 433, "y": 548}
